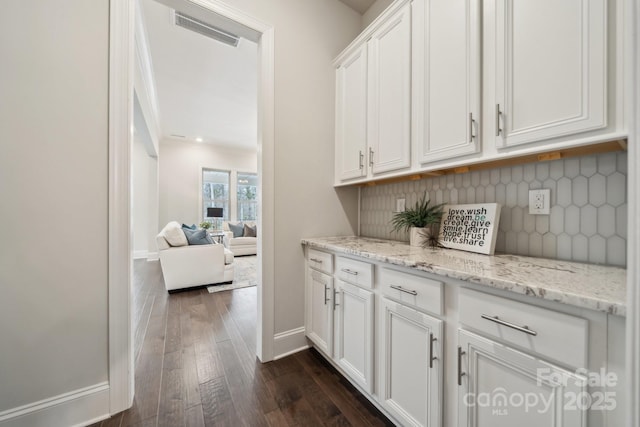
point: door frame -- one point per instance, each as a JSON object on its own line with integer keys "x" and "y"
{"x": 121, "y": 62}
{"x": 633, "y": 238}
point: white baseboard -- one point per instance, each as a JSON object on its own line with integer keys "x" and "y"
{"x": 289, "y": 342}
{"x": 140, "y": 254}
{"x": 153, "y": 256}
{"x": 76, "y": 408}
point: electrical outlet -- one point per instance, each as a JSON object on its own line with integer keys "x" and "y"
{"x": 539, "y": 201}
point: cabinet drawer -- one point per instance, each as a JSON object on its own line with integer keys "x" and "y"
{"x": 321, "y": 261}
{"x": 412, "y": 290}
{"x": 355, "y": 272}
{"x": 556, "y": 335}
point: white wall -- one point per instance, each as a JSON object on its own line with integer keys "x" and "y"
{"x": 181, "y": 164}
{"x": 53, "y": 192}
{"x": 372, "y": 13}
{"x": 144, "y": 203}
{"x": 308, "y": 36}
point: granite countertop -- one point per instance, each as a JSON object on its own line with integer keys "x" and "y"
{"x": 595, "y": 287}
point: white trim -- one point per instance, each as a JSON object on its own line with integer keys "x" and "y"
{"x": 121, "y": 49}
{"x": 153, "y": 256}
{"x": 72, "y": 408}
{"x": 143, "y": 254}
{"x": 288, "y": 342}
{"x": 633, "y": 238}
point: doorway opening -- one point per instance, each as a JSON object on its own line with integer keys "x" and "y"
{"x": 121, "y": 120}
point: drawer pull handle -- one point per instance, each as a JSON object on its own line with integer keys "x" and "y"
{"x": 316, "y": 260}
{"x": 431, "y": 356}
{"x": 460, "y": 373}
{"x": 401, "y": 289}
{"x": 524, "y": 329}
{"x": 346, "y": 270}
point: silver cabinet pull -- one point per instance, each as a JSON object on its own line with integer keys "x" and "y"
{"x": 326, "y": 300}
{"x": 361, "y": 161}
{"x": 499, "y": 321}
{"x": 335, "y": 292}
{"x": 460, "y": 373}
{"x": 316, "y": 260}
{"x": 401, "y": 289}
{"x": 351, "y": 272}
{"x": 431, "y": 356}
{"x": 471, "y": 126}
{"x": 498, "y": 115}
{"x": 370, "y": 156}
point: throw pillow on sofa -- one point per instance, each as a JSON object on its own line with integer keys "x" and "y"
{"x": 197, "y": 237}
{"x": 174, "y": 235}
{"x": 190, "y": 227}
{"x": 237, "y": 229}
{"x": 250, "y": 231}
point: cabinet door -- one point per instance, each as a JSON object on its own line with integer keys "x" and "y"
{"x": 319, "y": 325}
{"x": 410, "y": 363}
{"x": 446, "y": 78}
{"x": 354, "y": 333}
{"x": 502, "y": 387}
{"x": 389, "y": 112}
{"x": 551, "y": 77}
{"x": 351, "y": 116}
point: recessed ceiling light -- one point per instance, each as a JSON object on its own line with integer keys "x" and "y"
{"x": 198, "y": 139}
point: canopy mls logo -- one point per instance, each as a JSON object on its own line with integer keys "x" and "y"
{"x": 573, "y": 389}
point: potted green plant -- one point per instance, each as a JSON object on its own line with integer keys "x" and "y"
{"x": 421, "y": 221}
{"x": 205, "y": 224}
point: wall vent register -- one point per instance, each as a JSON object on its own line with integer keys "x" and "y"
{"x": 207, "y": 30}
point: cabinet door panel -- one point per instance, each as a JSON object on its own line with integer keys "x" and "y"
{"x": 354, "y": 339}
{"x": 411, "y": 385}
{"x": 320, "y": 312}
{"x": 503, "y": 387}
{"x": 446, "y": 78}
{"x": 551, "y": 75}
{"x": 389, "y": 118}
{"x": 351, "y": 116}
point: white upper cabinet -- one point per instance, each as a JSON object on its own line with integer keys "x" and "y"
{"x": 446, "y": 79}
{"x": 373, "y": 99}
{"x": 551, "y": 69}
{"x": 389, "y": 106}
{"x": 351, "y": 116}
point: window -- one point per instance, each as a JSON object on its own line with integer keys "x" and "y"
{"x": 215, "y": 192}
{"x": 247, "y": 193}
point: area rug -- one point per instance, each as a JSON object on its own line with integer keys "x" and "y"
{"x": 245, "y": 275}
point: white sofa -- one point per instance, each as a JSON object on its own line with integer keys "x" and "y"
{"x": 188, "y": 266}
{"x": 240, "y": 245}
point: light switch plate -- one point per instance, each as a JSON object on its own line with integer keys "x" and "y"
{"x": 400, "y": 205}
{"x": 539, "y": 201}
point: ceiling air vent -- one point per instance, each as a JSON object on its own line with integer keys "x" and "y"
{"x": 193, "y": 24}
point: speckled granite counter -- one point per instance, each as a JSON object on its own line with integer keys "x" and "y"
{"x": 589, "y": 286}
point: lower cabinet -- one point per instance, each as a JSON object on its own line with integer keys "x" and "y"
{"x": 353, "y": 338}
{"x": 410, "y": 365}
{"x": 319, "y": 322}
{"x": 503, "y": 387}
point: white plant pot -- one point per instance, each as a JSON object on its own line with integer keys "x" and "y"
{"x": 415, "y": 236}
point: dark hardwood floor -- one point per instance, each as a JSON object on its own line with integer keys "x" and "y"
{"x": 196, "y": 366}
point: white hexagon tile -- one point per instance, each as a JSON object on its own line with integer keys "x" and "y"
{"x": 588, "y": 206}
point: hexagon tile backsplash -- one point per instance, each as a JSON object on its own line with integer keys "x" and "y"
{"x": 588, "y": 220}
